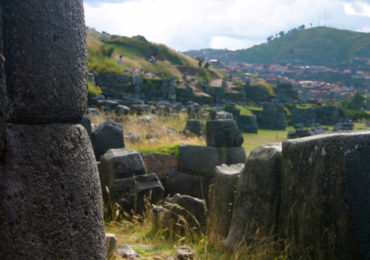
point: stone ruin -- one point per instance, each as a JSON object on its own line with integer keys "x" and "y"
{"x": 50, "y": 199}
{"x": 312, "y": 193}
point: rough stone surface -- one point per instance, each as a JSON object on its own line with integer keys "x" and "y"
{"x": 256, "y": 203}
{"x": 86, "y": 122}
{"x": 3, "y": 92}
{"x": 111, "y": 244}
{"x": 223, "y": 133}
{"x": 185, "y": 253}
{"x": 106, "y": 136}
{"x": 131, "y": 193}
{"x": 221, "y": 200}
{"x": 50, "y": 199}
{"x": 127, "y": 252}
{"x": 202, "y": 160}
{"x": 247, "y": 124}
{"x": 192, "y": 210}
{"x": 273, "y": 116}
{"x": 119, "y": 163}
{"x": 46, "y": 63}
{"x": 186, "y": 184}
{"x": 159, "y": 163}
{"x": 194, "y": 126}
{"x": 325, "y": 199}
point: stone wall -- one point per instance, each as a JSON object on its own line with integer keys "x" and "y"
{"x": 311, "y": 196}
{"x": 50, "y": 198}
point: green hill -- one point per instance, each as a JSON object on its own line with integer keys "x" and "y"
{"x": 104, "y": 51}
{"x": 315, "y": 46}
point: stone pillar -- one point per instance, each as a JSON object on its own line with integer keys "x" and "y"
{"x": 256, "y": 206}
{"x": 50, "y": 198}
{"x": 221, "y": 200}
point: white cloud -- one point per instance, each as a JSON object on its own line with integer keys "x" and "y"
{"x": 233, "y": 24}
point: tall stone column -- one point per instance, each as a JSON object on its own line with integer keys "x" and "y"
{"x": 50, "y": 197}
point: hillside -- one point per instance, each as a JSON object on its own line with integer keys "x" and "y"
{"x": 104, "y": 51}
{"x": 315, "y": 46}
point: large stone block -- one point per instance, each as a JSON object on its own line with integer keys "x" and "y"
{"x": 221, "y": 200}
{"x": 46, "y": 63}
{"x": 325, "y": 198}
{"x": 135, "y": 193}
{"x": 106, "y": 136}
{"x": 202, "y": 160}
{"x": 119, "y": 163}
{"x": 223, "y": 133}
{"x": 256, "y": 204}
{"x": 50, "y": 198}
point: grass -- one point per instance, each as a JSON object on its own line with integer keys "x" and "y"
{"x": 264, "y": 136}
{"x": 244, "y": 111}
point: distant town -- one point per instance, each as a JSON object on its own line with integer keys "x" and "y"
{"x": 334, "y": 84}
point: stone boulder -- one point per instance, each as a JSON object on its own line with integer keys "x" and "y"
{"x": 202, "y": 160}
{"x": 194, "y": 126}
{"x": 223, "y": 133}
{"x": 50, "y": 198}
{"x": 273, "y": 116}
{"x": 247, "y": 124}
{"x": 106, "y": 136}
{"x": 134, "y": 194}
{"x": 181, "y": 213}
{"x": 325, "y": 196}
{"x": 119, "y": 163}
{"x": 221, "y": 200}
{"x": 186, "y": 184}
{"x": 86, "y": 122}
{"x": 256, "y": 205}
{"x": 122, "y": 110}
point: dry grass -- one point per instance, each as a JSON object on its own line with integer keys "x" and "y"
{"x": 159, "y": 131}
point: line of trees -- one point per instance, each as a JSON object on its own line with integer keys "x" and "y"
{"x": 282, "y": 33}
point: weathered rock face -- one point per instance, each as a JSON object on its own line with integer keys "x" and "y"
{"x": 192, "y": 210}
{"x": 50, "y": 202}
{"x": 256, "y": 204}
{"x": 202, "y": 160}
{"x": 186, "y": 184}
{"x": 273, "y": 116}
{"x": 328, "y": 115}
{"x": 325, "y": 195}
{"x": 132, "y": 193}
{"x": 221, "y": 200}
{"x": 106, "y": 136}
{"x": 46, "y": 63}
{"x": 194, "y": 126}
{"x": 119, "y": 163}
{"x": 3, "y": 92}
{"x": 307, "y": 116}
{"x": 223, "y": 133}
{"x": 247, "y": 124}
{"x": 159, "y": 163}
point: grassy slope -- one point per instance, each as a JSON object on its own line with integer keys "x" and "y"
{"x": 316, "y": 46}
{"x": 135, "y": 52}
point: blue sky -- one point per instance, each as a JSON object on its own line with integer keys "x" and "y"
{"x": 232, "y": 24}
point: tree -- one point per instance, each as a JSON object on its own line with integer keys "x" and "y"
{"x": 357, "y": 102}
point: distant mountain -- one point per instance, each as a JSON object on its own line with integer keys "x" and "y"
{"x": 315, "y": 46}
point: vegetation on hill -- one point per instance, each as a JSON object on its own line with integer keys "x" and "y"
{"x": 104, "y": 51}
{"x": 315, "y": 46}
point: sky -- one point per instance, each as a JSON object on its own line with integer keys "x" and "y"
{"x": 222, "y": 24}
